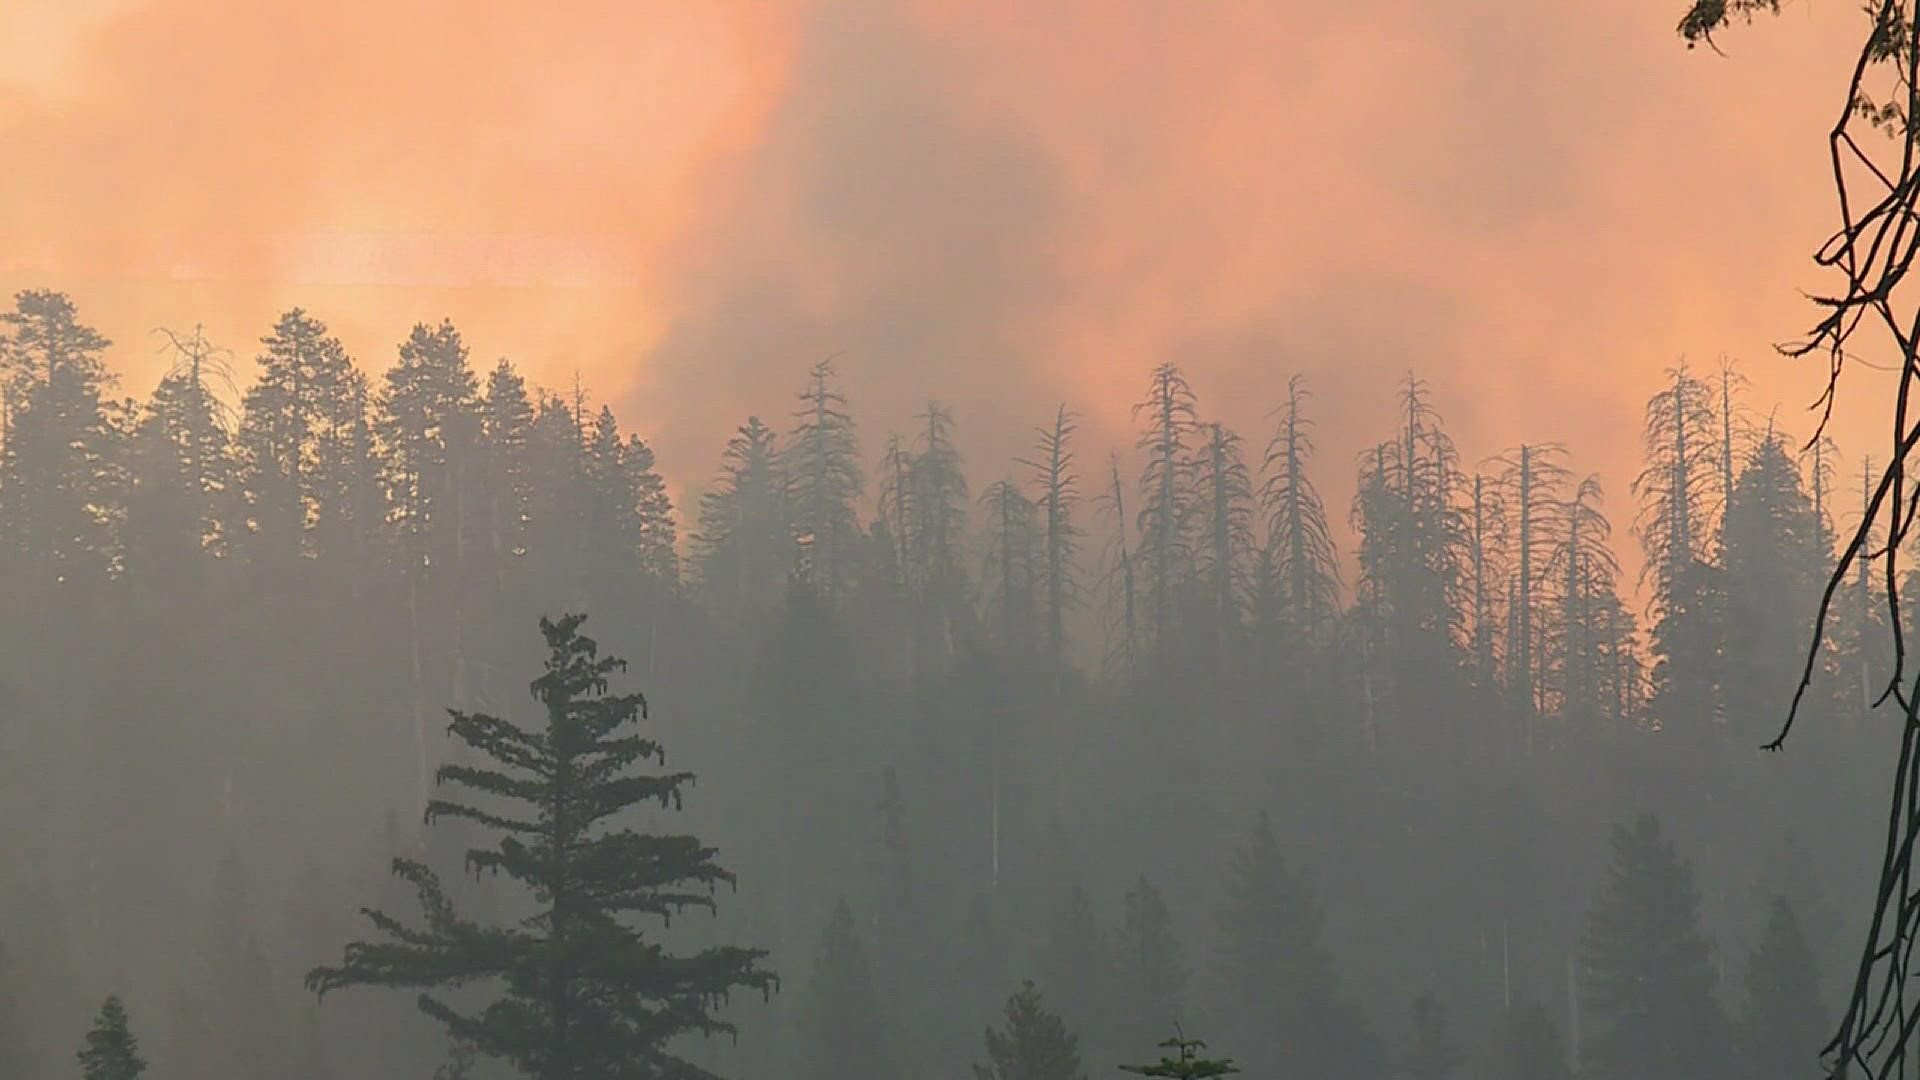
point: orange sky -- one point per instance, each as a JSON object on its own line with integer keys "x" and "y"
{"x": 996, "y": 203}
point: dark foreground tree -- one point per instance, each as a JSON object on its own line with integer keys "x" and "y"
{"x": 1185, "y": 1062}
{"x": 582, "y": 992}
{"x": 1035, "y": 1044}
{"x": 844, "y": 1024}
{"x": 110, "y": 1052}
{"x": 1649, "y": 976}
{"x": 1783, "y": 1025}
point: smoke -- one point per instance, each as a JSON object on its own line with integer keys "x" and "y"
{"x": 880, "y": 217}
{"x": 996, "y": 204}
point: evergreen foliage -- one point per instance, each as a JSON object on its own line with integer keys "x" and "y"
{"x": 846, "y": 1030}
{"x": 585, "y": 993}
{"x": 1647, "y": 977}
{"x": 1033, "y": 1045}
{"x": 1782, "y": 1025}
{"x": 110, "y": 1051}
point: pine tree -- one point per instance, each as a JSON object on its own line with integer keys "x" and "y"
{"x": 655, "y": 535}
{"x": 183, "y": 497}
{"x": 110, "y": 1051}
{"x": 1058, "y": 485}
{"x": 1299, "y": 556}
{"x": 302, "y": 439}
{"x": 1013, "y": 567}
{"x": 1775, "y": 564}
{"x": 1527, "y": 1046}
{"x": 1278, "y": 999}
{"x": 1432, "y": 1053}
{"x": 1034, "y": 1044}
{"x": 823, "y": 465}
{"x": 1150, "y": 984}
{"x": 1782, "y": 1024}
{"x": 1675, "y": 492}
{"x": 1533, "y": 482}
{"x": 1166, "y": 495}
{"x": 846, "y": 1029}
{"x": 1414, "y": 554}
{"x": 939, "y": 486}
{"x": 59, "y": 465}
{"x": 1073, "y": 969}
{"x": 1583, "y": 573}
{"x": 743, "y": 548}
{"x": 428, "y": 426}
{"x": 559, "y": 509}
{"x": 1117, "y": 579}
{"x": 1185, "y": 1063}
{"x": 1648, "y": 977}
{"x": 585, "y": 994}
{"x": 1223, "y": 545}
{"x": 506, "y": 429}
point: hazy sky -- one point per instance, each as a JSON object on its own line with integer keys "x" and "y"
{"x": 1001, "y": 204}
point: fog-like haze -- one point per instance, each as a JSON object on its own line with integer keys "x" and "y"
{"x": 1538, "y": 208}
{"x": 1384, "y": 759}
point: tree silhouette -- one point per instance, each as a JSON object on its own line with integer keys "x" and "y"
{"x": 110, "y": 1051}
{"x": 584, "y": 993}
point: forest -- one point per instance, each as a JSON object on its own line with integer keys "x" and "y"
{"x": 1009, "y": 768}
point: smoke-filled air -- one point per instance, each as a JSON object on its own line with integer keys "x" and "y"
{"x": 862, "y": 540}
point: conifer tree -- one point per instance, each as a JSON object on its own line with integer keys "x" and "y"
{"x": 59, "y": 465}
{"x": 1582, "y": 571}
{"x": 1058, "y": 486}
{"x": 110, "y": 1051}
{"x": 823, "y": 465}
{"x": 1117, "y": 579}
{"x": 428, "y": 426}
{"x": 1013, "y": 567}
{"x": 939, "y": 499}
{"x": 1775, "y": 558}
{"x": 1299, "y": 555}
{"x": 1034, "y": 1044}
{"x": 1166, "y": 494}
{"x": 1675, "y": 489}
{"x": 1278, "y": 999}
{"x": 1648, "y": 978}
{"x": 846, "y": 1030}
{"x": 1185, "y": 1062}
{"x": 585, "y": 993}
{"x": 1073, "y": 967}
{"x": 1223, "y": 544}
{"x": 1782, "y": 1023}
{"x": 1413, "y": 555}
{"x": 655, "y": 535}
{"x": 1486, "y": 536}
{"x": 301, "y": 436}
{"x": 183, "y": 497}
{"x": 506, "y": 430}
{"x": 1533, "y": 482}
{"x": 1150, "y": 985}
{"x": 560, "y": 520}
{"x": 743, "y": 548}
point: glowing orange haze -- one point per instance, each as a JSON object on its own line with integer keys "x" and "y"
{"x": 1538, "y": 207}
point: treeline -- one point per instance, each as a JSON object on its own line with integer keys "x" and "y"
{"x": 955, "y": 735}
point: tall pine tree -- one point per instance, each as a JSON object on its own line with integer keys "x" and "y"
{"x": 584, "y": 992}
